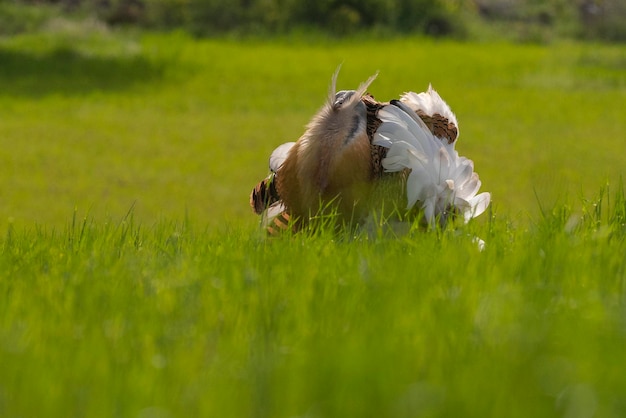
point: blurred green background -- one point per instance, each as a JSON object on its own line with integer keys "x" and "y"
{"x": 528, "y": 20}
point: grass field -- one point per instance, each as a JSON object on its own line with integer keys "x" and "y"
{"x": 100, "y": 122}
{"x": 134, "y": 281}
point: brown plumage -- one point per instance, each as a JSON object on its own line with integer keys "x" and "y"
{"x": 440, "y": 126}
{"x": 329, "y": 167}
{"x": 264, "y": 195}
{"x": 377, "y": 153}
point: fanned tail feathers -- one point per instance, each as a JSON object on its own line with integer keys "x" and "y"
{"x": 440, "y": 180}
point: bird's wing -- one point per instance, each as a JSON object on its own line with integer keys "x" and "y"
{"x": 264, "y": 194}
{"x": 278, "y": 156}
{"x": 440, "y": 179}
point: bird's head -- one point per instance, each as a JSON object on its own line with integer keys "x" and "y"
{"x": 342, "y": 119}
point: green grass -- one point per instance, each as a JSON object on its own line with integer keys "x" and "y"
{"x": 116, "y": 319}
{"x": 98, "y": 121}
{"x": 181, "y": 307}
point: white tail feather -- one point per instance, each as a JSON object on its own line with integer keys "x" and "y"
{"x": 439, "y": 177}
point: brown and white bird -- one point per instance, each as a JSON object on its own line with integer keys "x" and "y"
{"x": 358, "y": 154}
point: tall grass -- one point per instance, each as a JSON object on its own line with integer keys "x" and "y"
{"x": 116, "y": 318}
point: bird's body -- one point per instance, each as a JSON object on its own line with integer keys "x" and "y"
{"x": 358, "y": 154}
{"x": 329, "y": 167}
{"x": 312, "y": 178}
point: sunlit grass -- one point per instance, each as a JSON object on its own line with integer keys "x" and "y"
{"x": 179, "y": 126}
{"x": 119, "y": 318}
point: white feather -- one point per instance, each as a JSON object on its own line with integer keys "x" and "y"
{"x": 429, "y": 102}
{"x": 279, "y": 155}
{"x": 478, "y": 204}
{"x": 272, "y": 212}
{"x": 439, "y": 177}
{"x": 402, "y": 126}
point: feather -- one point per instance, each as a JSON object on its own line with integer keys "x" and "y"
{"x": 404, "y": 129}
{"x": 430, "y": 102}
{"x": 478, "y": 204}
{"x": 440, "y": 180}
{"x": 332, "y": 89}
{"x": 275, "y": 219}
{"x": 435, "y": 112}
{"x": 264, "y": 194}
{"x": 363, "y": 87}
{"x": 279, "y": 155}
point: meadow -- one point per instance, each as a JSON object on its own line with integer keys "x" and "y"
{"x": 135, "y": 281}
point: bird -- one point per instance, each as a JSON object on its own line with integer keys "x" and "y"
{"x": 358, "y": 154}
